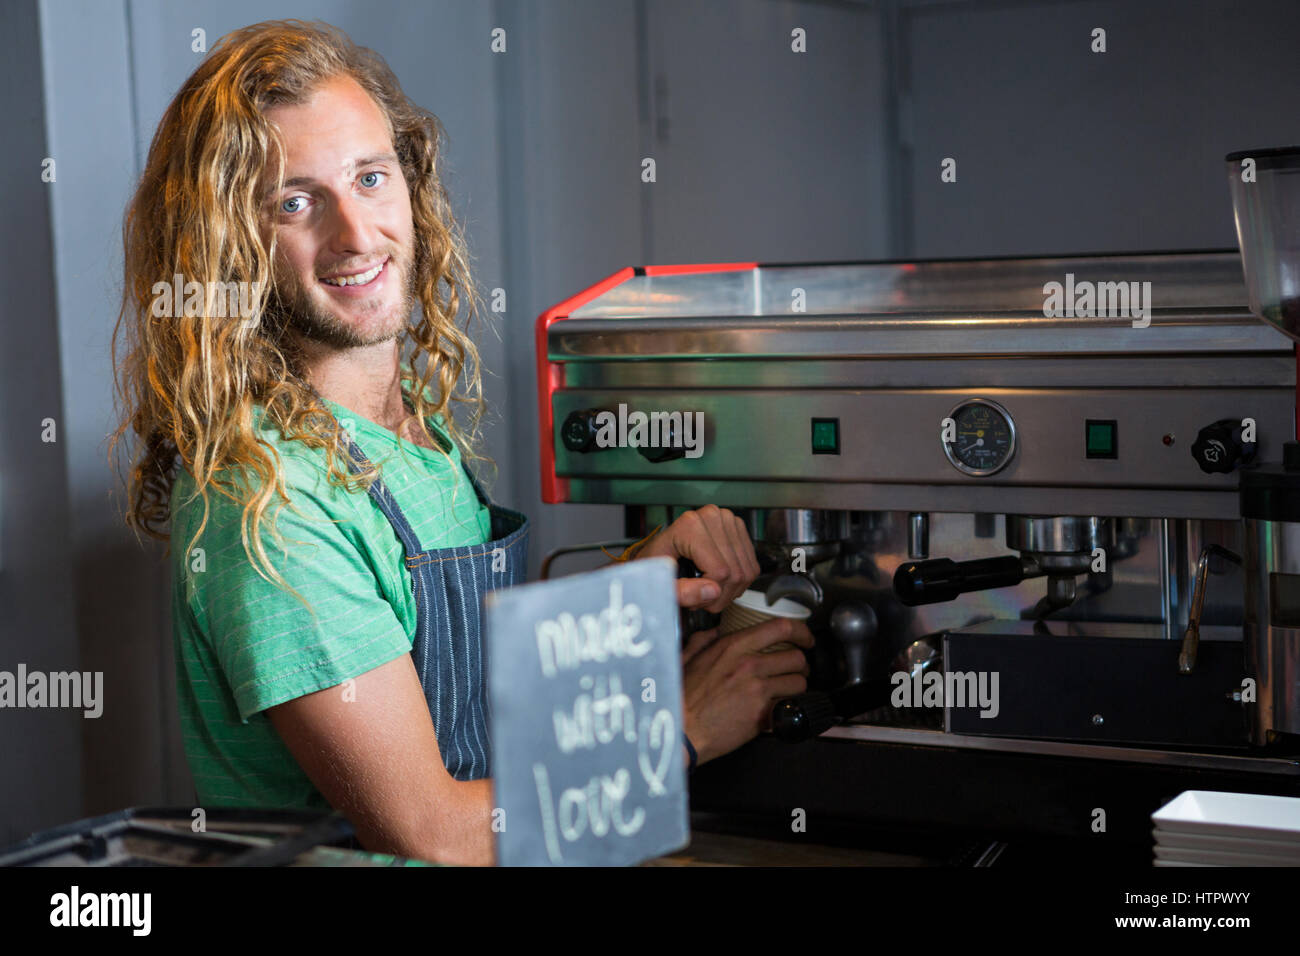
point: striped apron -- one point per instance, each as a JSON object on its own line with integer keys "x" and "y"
{"x": 449, "y": 585}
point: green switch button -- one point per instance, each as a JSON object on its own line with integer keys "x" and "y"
{"x": 1101, "y": 439}
{"x": 825, "y": 436}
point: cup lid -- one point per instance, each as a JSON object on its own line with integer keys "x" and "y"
{"x": 784, "y": 607}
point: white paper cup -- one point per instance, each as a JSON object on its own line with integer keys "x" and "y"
{"x": 751, "y": 608}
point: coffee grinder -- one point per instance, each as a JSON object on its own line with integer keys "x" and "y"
{"x": 1265, "y": 187}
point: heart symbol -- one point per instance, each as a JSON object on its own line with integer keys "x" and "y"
{"x": 660, "y": 735}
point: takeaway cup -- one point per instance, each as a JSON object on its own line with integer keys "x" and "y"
{"x": 752, "y": 608}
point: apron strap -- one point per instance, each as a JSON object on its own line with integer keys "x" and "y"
{"x": 384, "y": 499}
{"x": 358, "y": 462}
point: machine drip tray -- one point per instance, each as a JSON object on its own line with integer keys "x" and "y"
{"x": 915, "y": 719}
{"x": 890, "y": 727}
{"x": 1094, "y": 682}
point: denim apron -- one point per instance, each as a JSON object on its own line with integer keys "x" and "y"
{"x": 449, "y": 585}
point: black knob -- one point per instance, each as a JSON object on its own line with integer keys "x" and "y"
{"x": 669, "y": 444}
{"x": 803, "y": 717}
{"x": 579, "y": 430}
{"x": 1219, "y": 448}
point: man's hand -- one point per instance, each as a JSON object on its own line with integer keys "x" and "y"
{"x": 717, "y": 541}
{"x": 729, "y": 685}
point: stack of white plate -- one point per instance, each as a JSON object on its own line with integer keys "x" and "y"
{"x": 1209, "y": 828}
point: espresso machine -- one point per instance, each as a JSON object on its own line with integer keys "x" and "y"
{"x": 1011, "y": 491}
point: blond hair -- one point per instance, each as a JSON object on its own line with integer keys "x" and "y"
{"x": 188, "y": 385}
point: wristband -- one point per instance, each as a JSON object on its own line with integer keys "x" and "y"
{"x": 691, "y": 750}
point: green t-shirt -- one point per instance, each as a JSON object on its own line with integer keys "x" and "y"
{"x": 243, "y": 644}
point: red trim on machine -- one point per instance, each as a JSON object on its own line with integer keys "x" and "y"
{"x": 550, "y": 375}
{"x": 708, "y": 267}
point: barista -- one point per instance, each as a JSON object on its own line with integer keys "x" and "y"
{"x": 328, "y": 645}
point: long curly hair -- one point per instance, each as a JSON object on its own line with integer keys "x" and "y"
{"x": 187, "y": 384}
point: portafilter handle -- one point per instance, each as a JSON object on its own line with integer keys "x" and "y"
{"x": 943, "y": 579}
{"x": 808, "y": 715}
{"x": 696, "y": 618}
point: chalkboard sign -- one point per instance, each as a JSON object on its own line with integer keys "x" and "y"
{"x": 584, "y": 674}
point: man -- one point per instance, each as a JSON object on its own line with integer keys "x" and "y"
{"x": 314, "y": 482}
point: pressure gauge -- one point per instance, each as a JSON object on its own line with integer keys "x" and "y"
{"x": 983, "y": 437}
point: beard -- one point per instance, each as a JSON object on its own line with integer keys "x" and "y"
{"x": 302, "y": 315}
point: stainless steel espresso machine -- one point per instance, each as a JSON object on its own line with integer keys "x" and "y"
{"x": 1011, "y": 492}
